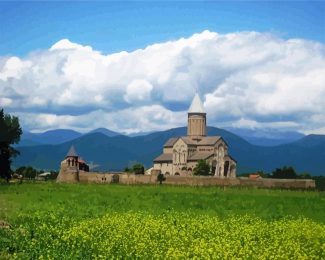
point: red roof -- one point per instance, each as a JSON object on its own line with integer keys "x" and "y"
{"x": 254, "y": 176}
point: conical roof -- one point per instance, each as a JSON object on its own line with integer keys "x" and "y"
{"x": 196, "y": 106}
{"x": 72, "y": 152}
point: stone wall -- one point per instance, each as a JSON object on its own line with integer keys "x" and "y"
{"x": 201, "y": 181}
{"x": 278, "y": 183}
{"x": 130, "y": 179}
{"x": 95, "y": 177}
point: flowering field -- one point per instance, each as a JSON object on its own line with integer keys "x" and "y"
{"x": 48, "y": 228}
{"x": 170, "y": 235}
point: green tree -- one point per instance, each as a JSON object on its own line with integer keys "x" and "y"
{"x": 284, "y": 173}
{"x": 10, "y": 132}
{"x": 28, "y": 172}
{"x": 304, "y": 175}
{"x": 202, "y": 168}
{"x": 138, "y": 168}
{"x": 161, "y": 178}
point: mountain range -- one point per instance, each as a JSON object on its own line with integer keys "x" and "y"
{"x": 113, "y": 151}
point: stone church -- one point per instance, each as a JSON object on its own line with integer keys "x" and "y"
{"x": 181, "y": 154}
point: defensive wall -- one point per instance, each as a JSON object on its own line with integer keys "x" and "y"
{"x": 130, "y": 179}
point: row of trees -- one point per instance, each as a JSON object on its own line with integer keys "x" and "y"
{"x": 137, "y": 168}
{"x": 286, "y": 172}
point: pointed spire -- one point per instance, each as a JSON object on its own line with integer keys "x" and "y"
{"x": 72, "y": 152}
{"x": 196, "y": 106}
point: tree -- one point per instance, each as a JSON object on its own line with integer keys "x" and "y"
{"x": 202, "y": 168}
{"x": 161, "y": 178}
{"x": 284, "y": 173}
{"x": 138, "y": 168}
{"x": 29, "y": 172}
{"x": 10, "y": 132}
{"x": 304, "y": 175}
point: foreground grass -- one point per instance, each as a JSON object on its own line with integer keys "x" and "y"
{"x": 94, "y": 200}
{"x": 87, "y": 221}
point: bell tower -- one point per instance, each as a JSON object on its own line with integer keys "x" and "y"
{"x": 196, "y": 123}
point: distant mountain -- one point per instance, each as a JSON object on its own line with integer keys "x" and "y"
{"x": 266, "y": 137}
{"x": 49, "y": 137}
{"x": 105, "y": 131}
{"x": 115, "y": 153}
{"x": 263, "y": 137}
{"x": 57, "y": 136}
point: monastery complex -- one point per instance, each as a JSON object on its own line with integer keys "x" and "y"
{"x": 181, "y": 154}
{"x": 179, "y": 157}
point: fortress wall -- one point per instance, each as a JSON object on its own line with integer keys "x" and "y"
{"x": 131, "y": 179}
{"x": 200, "y": 181}
{"x": 95, "y": 177}
{"x": 278, "y": 183}
{"x": 137, "y": 179}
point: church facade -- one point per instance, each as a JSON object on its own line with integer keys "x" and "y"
{"x": 181, "y": 154}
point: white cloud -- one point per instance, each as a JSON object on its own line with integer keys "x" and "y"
{"x": 5, "y": 102}
{"x": 65, "y": 44}
{"x": 145, "y": 118}
{"x": 138, "y": 91}
{"x": 245, "y": 79}
{"x": 14, "y": 68}
{"x": 252, "y": 124}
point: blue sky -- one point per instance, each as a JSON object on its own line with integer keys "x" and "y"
{"x": 117, "y": 26}
{"x": 135, "y": 66}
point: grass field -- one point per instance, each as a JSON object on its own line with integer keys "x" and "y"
{"x": 82, "y": 221}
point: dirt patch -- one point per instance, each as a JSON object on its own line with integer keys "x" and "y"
{"x": 4, "y": 224}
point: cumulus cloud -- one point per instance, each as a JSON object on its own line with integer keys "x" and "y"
{"x": 144, "y": 118}
{"x": 245, "y": 79}
{"x": 138, "y": 91}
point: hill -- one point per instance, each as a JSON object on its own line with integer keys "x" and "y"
{"x": 115, "y": 153}
{"x": 266, "y": 137}
{"x": 105, "y": 131}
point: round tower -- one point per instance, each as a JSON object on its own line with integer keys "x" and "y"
{"x": 196, "y": 123}
{"x": 69, "y": 171}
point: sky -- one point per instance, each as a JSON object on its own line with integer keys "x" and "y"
{"x": 135, "y": 66}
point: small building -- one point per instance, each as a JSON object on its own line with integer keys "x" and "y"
{"x": 181, "y": 154}
{"x": 254, "y": 176}
{"x": 70, "y": 167}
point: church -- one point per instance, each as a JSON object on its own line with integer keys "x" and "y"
{"x": 181, "y": 154}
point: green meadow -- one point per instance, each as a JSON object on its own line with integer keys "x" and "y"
{"x": 80, "y": 221}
